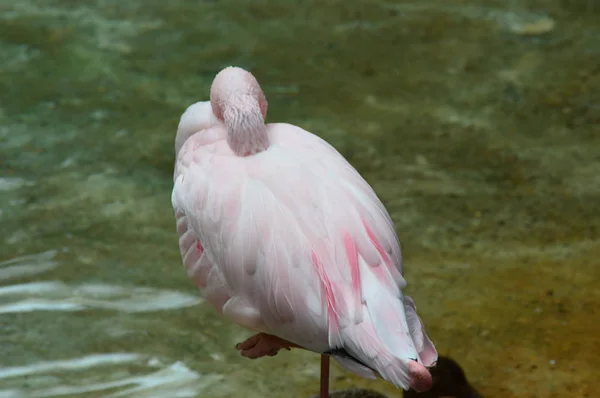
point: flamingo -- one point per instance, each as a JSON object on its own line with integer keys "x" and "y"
{"x": 285, "y": 238}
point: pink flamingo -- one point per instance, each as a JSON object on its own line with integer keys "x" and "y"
{"x": 283, "y": 236}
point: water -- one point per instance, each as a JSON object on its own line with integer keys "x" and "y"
{"x": 477, "y": 122}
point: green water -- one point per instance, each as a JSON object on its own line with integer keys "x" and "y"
{"x": 477, "y": 122}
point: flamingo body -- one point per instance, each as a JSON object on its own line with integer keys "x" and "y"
{"x": 283, "y": 236}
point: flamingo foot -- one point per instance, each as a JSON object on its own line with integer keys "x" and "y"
{"x": 263, "y": 344}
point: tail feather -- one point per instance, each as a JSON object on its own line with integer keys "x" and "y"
{"x": 390, "y": 336}
{"x": 427, "y": 352}
{"x": 364, "y": 343}
{"x": 352, "y": 363}
{"x": 353, "y": 366}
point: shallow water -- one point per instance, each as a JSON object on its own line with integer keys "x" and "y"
{"x": 477, "y": 122}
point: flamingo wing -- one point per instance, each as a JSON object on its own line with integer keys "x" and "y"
{"x": 294, "y": 242}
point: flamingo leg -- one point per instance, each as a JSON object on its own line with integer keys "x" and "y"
{"x": 324, "y": 392}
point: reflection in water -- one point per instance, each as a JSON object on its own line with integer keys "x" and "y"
{"x": 64, "y": 378}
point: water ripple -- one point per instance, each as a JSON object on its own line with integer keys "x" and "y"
{"x": 175, "y": 380}
{"x": 58, "y": 296}
{"x": 11, "y": 183}
{"x": 28, "y": 265}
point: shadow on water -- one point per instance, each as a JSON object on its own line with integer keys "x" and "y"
{"x": 477, "y": 122}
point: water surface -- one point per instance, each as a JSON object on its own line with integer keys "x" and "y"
{"x": 477, "y": 122}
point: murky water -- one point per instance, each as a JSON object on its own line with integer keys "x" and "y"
{"x": 476, "y": 121}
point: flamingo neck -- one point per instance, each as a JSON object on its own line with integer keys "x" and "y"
{"x": 246, "y": 130}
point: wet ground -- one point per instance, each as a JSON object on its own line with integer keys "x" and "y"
{"x": 477, "y": 122}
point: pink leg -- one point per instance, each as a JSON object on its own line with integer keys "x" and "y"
{"x": 263, "y": 344}
{"x": 324, "y": 390}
